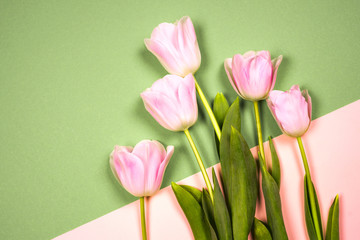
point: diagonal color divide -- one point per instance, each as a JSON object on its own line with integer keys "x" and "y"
{"x": 331, "y": 144}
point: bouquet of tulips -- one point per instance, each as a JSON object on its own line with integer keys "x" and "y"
{"x": 226, "y": 208}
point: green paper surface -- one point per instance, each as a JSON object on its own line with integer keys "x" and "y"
{"x": 71, "y": 73}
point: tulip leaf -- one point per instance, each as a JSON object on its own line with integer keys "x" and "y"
{"x": 193, "y": 212}
{"x": 208, "y": 209}
{"x": 220, "y": 108}
{"x": 196, "y": 193}
{"x": 221, "y": 213}
{"x": 275, "y": 170}
{"x": 332, "y": 228}
{"x": 207, "y": 206}
{"x": 232, "y": 119}
{"x": 272, "y": 203}
{"x": 309, "y": 220}
{"x": 260, "y": 231}
{"x": 244, "y": 185}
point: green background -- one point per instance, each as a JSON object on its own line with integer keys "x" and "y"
{"x": 71, "y": 73}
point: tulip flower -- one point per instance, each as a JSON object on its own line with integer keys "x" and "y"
{"x": 253, "y": 74}
{"x": 172, "y": 102}
{"x": 292, "y": 110}
{"x": 140, "y": 170}
{"x": 176, "y": 47}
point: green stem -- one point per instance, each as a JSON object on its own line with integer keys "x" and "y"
{"x": 143, "y": 221}
{"x": 201, "y": 164}
{"x": 258, "y": 127}
{"x": 311, "y": 189}
{"x": 209, "y": 110}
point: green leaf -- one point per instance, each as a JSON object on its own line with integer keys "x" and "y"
{"x": 332, "y": 228}
{"x": 220, "y": 108}
{"x": 260, "y": 231}
{"x": 193, "y": 212}
{"x": 221, "y": 213}
{"x": 232, "y": 118}
{"x": 196, "y": 193}
{"x": 244, "y": 185}
{"x": 272, "y": 203}
{"x": 275, "y": 170}
{"x": 208, "y": 207}
{"x": 309, "y": 220}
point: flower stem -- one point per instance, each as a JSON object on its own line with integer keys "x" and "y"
{"x": 201, "y": 164}
{"x": 258, "y": 127}
{"x": 311, "y": 189}
{"x": 143, "y": 221}
{"x": 209, "y": 110}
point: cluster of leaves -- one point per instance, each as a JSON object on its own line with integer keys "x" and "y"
{"x": 231, "y": 215}
{"x": 332, "y": 227}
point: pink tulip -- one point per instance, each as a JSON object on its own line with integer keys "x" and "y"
{"x": 140, "y": 170}
{"x": 253, "y": 74}
{"x": 176, "y": 47}
{"x": 292, "y": 110}
{"x": 172, "y": 102}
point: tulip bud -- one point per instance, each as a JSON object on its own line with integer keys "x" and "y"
{"x": 172, "y": 102}
{"x": 291, "y": 110}
{"x": 176, "y": 47}
{"x": 140, "y": 170}
{"x": 253, "y": 74}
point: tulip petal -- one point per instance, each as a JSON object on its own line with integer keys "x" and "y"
{"x": 249, "y": 54}
{"x": 240, "y": 74}
{"x": 260, "y": 79}
{"x": 168, "y": 86}
{"x": 167, "y": 56}
{"x": 228, "y": 70}
{"x": 164, "y": 31}
{"x": 187, "y": 96}
{"x": 163, "y": 165}
{"x": 189, "y": 46}
{"x": 307, "y": 97}
{"x": 163, "y": 109}
{"x": 276, "y": 63}
{"x": 130, "y": 171}
{"x": 263, "y": 54}
{"x": 270, "y": 101}
{"x": 151, "y": 153}
{"x": 114, "y": 156}
{"x": 188, "y": 28}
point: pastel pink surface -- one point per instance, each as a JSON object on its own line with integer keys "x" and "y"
{"x": 331, "y": 147}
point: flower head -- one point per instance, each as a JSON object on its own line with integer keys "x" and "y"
{"x": 140, "y": 170}
{"x": 253, "y": 74}
{"x": 291, "y": 110}
{"x": 172, "y": 102}
{"x": 176, "y": 47}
